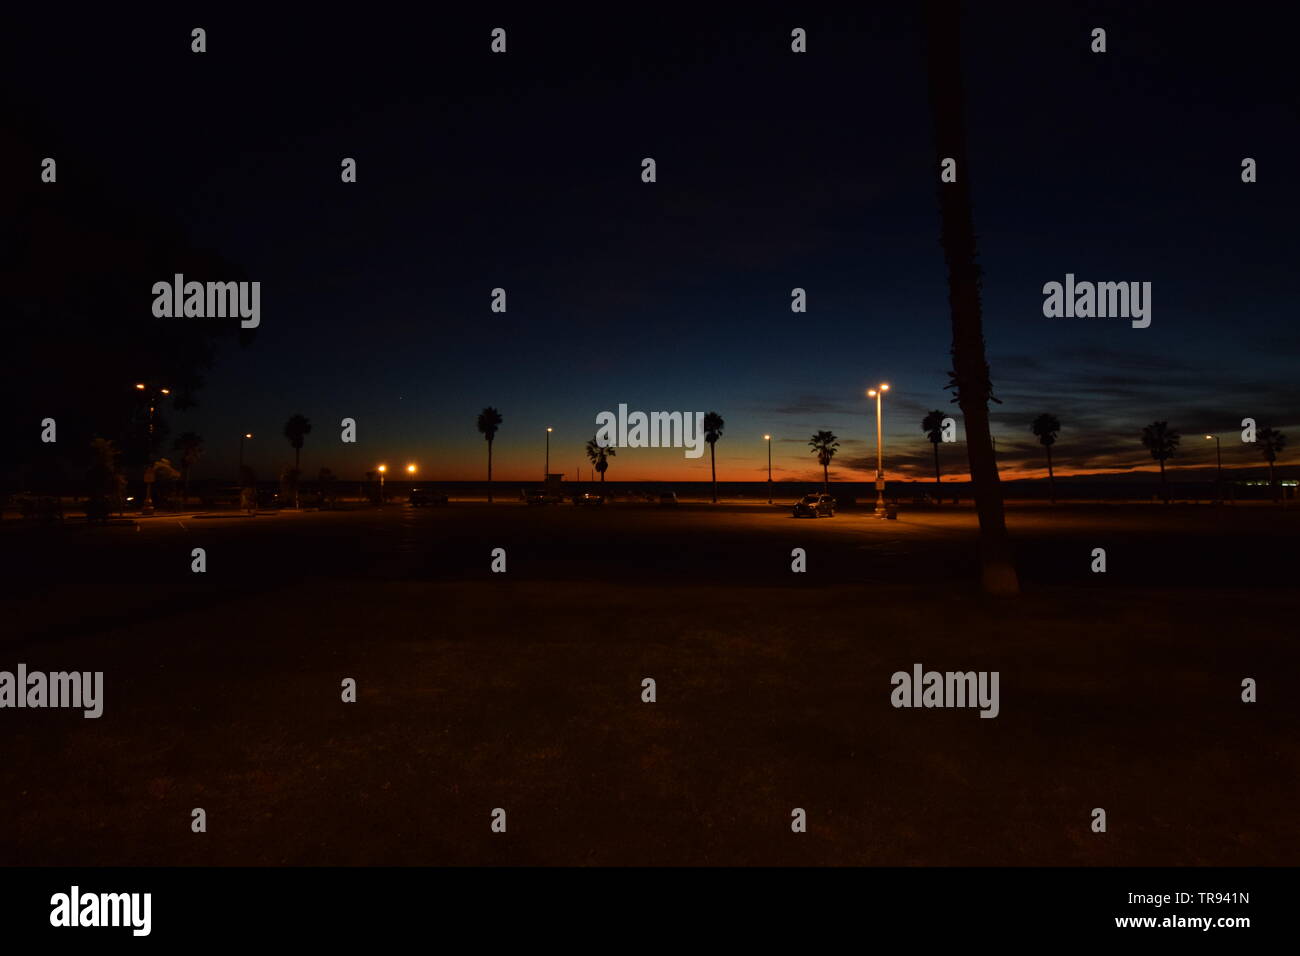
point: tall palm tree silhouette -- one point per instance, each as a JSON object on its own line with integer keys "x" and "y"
{"x": 296, "y": 429}
{"x": 970, "y": 377}
{"x": 489, "y": 420}
{"x": 932, "y": 425}
{"x": 599, "y": 456}
{"x": 825, "y": 445}
{"x": 713, "y": 425}
{"x": 1046, "y": 426}
{"x": 1271, "y": 442}
{"x": 190, "y": 445}
{"x": 1162, "y": 441}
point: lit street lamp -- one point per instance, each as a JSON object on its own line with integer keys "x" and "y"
{"x": 878, "y": 393}
{"x": 547, "y": 470}
{"x": 768, "y": 439}
{"x": 153, "y": 396}
{"x": 1218, "y": 468}
{"x": 382, "y": 469}
{"x": 241, "y": 453}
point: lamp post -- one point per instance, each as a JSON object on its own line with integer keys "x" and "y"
{"x": 878, "y": 394}
{"x": 382, "y": 469}
{"x": 1218, "y": 468}
{"x": 153, "y": 396}
{"x": 547, "y": 469}
{"x": 241, "y": 453}
{"x": 768, "y": 439}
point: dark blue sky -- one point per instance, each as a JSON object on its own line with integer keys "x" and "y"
{"x": 775, "y": 170}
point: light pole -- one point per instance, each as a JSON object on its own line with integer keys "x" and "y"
{"x": 153, "y": 396}
{"x": 878, "y": 393}
{"x": 382, "y": 469}
{"x": 1218, "y": 469}
{"x": 768, "y": 439}
{"x": 241, "y": 453}
{"x": 547, "y": 469}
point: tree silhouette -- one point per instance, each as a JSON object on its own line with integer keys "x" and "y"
{"x": 825, "y": 445}
{"x": 297, "y": 428}
{"x": 599, "y": 456}
{"x": 489, "y": 420}
{"x": 713, "y": 425}
{"x": 970, "y": 377}
{"x": 1162, "y": 441}
{"x": 932, "y": 425}
{"x": 1046, "y": 426}
{"x": 190, "y": 445}
{"x": 72, "y": 288}
{"x": 1271, "y": 442}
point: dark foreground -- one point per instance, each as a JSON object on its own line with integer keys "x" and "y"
{"x": 522, "y": 690}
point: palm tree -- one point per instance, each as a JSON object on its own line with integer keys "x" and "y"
{"x": 190, "y": 446}
{"x": 1271, "y": 442}
{"x": 296, "y": 429}
{"x": 970, "y": 377}
{"x": 1162, "y": 441}
{"x": 713, "y": 425}
{"x": 598, "y": 455}
{"x": 826, "y": 445}
{"x": 489, "y": 420}
{"x": 1046, "y": 426}
{"x": 932, "y": 425}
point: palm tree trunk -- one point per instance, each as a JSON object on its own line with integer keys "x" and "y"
{"x": 713, "y": 462}
{"x": 970, "y": 365}
{"x": 297, "y": 472}
{"x": 489, "y": 471}
{"x": 826, "y": 480}
{"x": 1164, "y": 488}
{"x": 1051, "y": 477}
{"x": 1271, "y": 485}
{"x": 938, "y": 481}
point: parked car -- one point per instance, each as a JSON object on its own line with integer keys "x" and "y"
{"x": 668, "y": 499}
{"x": 424, "y": 496}
{"x": 815, "y": 506}
{"x": 588, "y": 499}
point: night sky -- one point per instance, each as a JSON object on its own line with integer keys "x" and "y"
{"x": 775, "y": 170}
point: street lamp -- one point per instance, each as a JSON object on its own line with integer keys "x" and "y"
{"x": 547, "y": 470}
{"x": 768, "y": 439}
{"x": 241, "y": 453}
{"x": 1218, "y": 468}
{"x": 410, "y": 469}
{"x": 153, "y": 396}
{"x": 382, "y": 469}
{"x": 878, "y": 393}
